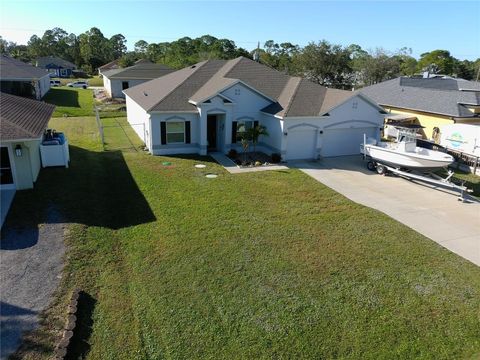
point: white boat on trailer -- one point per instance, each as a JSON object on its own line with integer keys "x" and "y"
{"x": 404, "y": 153}
{"x": 404, "y": 158}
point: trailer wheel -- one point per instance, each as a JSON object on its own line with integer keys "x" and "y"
{"x": 371, "y": 166}
{"x": 382, "y": 170}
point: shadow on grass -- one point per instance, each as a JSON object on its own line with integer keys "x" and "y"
{"x": 96, "y": 190}
{"x": 79, "y": 344}
{"x": 62, "y": 97}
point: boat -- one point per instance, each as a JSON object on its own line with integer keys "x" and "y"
{"x": 403, "y": 153}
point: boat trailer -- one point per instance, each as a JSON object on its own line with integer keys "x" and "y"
{"x": 429, "y": 177}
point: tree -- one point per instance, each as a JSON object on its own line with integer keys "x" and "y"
{"x": 128, "y": 59}
{"x": 118, "y": 45}
{"x": 254, "y": 134}
{"x": 437, "y": 62}
{"x": 324, "y": 63}
{"x": 141, "y": 47}
{"x": 94, "y": 49}
{"x": 376, "y": 66}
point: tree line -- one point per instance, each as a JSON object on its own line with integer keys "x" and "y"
{"x": 325, "y": 63}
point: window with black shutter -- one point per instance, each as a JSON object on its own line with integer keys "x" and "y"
{"x": 187, "y": 132}
{"x": 163, "y": 133}
{"x": 234, "y": 132}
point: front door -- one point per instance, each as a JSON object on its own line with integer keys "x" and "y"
{"x": 6, "y": 171}
{"x": 212, "y": 132}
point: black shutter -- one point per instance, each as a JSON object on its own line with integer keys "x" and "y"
{"x": 163, "y": 132}
{"x": 187, "y": 132}
{"x": 255, "y": 124}
{"x": 234, "y": 132}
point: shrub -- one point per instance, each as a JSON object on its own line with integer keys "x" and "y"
{"x": 276, "y": 158}
{"x": 258, "y": 163}
{"x": 232, "y": 154}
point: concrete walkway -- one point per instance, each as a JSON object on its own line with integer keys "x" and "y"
{"x": 31, "y": 263}
{"x": 232, "y": 168}
{"x": 435, "y": 213}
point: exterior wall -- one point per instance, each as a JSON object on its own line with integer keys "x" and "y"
{"x": 115, "y": 86}
{"x": 139, "y": 120}
{"x": 428, "y": 120}
{"x": 107, "y": 84}
{"x": 26, "y": 167}
{"x": 44, "y": 86}
{"x": 155, "y": 133}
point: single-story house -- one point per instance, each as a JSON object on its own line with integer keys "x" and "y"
{"x": 22, "y": 124}
{"x": 56, "y": 66}
{"x": 117, "y": 80}
{"x": 109, "y": 66}
{"x": 429, "y": 102}
{"x": 22, "y": 79}
{"x": 206, "y": 106}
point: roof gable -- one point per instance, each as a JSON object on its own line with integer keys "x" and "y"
{"x": 23, "y": 118}
{"x": 139, "y": 71}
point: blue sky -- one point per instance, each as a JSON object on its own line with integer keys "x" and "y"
{"x": 422, "y": 26}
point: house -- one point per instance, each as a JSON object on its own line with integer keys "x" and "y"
{"x": 22, "y": 79}
{"x": 22, "y": 124}
{"x": 56, "y": 66}
{"x": 117, "y": 80}
{"x": 429, "y": 102}
{"x": 109, "y": 66}
{"x": 205, "y": 107}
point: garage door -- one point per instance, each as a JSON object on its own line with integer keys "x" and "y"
{"x": 338, "y": 142}
{"x": 301, "y": 144}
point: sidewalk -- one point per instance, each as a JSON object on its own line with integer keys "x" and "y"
{"x": 232, "y": 168}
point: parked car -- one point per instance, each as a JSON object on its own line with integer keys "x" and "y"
{"x": 78, "y": 84}
{"x": 55, "y": 83}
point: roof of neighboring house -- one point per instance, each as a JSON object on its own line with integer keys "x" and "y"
{"x": 291, "y": 96}
{"x": 111, "y": 65}
{"x": 449, "y": 97}
{"x": 13, "y": 69}
{"x": 22, "y": 118}
{"x": 141, "y": 70}
{"x": 43, "y": 62}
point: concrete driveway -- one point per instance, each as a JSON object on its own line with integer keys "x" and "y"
{"x": 435, "y": 213}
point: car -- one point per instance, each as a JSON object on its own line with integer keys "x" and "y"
{"x": 55, "y": 83}
{"x": 78, "y": 84}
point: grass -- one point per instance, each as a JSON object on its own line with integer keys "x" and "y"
{"x": 95, "y": 81}
{"x": 472, "y": 181}
{"x": 119, "y": 135}
{"x": 70, "y": 101}
{"x": 258, "y": 265}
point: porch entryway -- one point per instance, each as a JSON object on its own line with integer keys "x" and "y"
{"x": 215, "y": 132}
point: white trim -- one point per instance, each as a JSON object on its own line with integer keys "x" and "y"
{"x": 176, "y": 132}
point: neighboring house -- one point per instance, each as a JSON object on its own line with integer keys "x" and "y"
{"x": 206, "y": 106}
{"x": 57, "y": 67}
{"x": 430, "y": 102}
{"x": 117, "y": 80}
{"x": 109, "y": 66}
{"x": 22, "y": 124}
{"x": 22, "y": 79}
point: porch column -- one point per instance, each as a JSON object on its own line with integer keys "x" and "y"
{"x": 203, "y": 132}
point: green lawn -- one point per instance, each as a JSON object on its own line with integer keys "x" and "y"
{"x": 119, "y": 135}
{"x": 250, "y": 266}
{"x": 70, "y": 101}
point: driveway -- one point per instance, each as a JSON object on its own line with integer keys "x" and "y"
{"x": 435, "y": 213}
{"x": 31, "y": 262}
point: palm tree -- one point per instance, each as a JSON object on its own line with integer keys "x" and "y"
{"x": 254, "y": 134}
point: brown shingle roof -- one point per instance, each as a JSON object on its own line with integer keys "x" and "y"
{"x": 22, "y": 118}
{"x": 294, "y": 96}
{"x": 13, "y": 69}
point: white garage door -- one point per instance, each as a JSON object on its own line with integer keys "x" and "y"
{"x": 301, "y": 144}
{"x": 338, "y": 142}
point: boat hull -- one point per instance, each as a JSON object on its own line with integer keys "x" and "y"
{"x": 421, "y": 159}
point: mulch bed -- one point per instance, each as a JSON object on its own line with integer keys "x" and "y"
{"x": 251, "y": 158}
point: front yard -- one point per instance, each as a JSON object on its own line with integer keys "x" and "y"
{"x": 259, "y": 265}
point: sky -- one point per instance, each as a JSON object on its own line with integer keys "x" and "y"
{"x": 421, "y": 26}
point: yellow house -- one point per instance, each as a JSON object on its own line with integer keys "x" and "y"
{"x": 429, "y": 102}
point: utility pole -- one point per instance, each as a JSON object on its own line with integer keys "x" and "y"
{"x": 256, "y": 55}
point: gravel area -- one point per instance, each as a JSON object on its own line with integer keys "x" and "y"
{"x": 31, "y": 263}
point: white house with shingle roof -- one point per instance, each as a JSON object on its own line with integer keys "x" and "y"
{"x": 118, "y": 79}
{"x": 201, "y": 108}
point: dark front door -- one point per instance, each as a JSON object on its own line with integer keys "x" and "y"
{"x": 212, "y": 132}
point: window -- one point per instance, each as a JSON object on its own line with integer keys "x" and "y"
{"x": 124, "y": 85}
{"x": 175, "y": 132}
{"x": 243, "y": 127}
{"x": 63, "y": 72}
{"x": 237, "y": 91}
